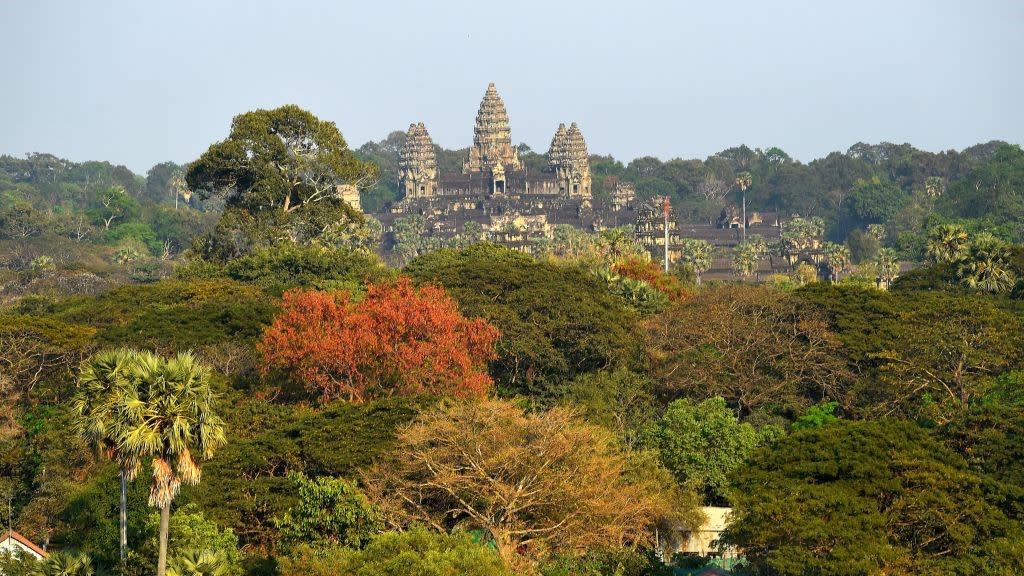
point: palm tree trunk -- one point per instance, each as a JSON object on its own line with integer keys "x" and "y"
{"x": 124, "y": 515}
{"x": 165, "y": 527}
{"x": 744, "y": 215}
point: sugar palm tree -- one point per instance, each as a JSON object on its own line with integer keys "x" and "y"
{"x": 743, "y": 181}
{"x": 698, "y": 255}
{"x": 198, "y": 563}
{"x": 745, "y": 259}
{"x": 947, "y": 243}
{"x": 66, "y": 564}
{"x": 888, "y": 266}
{"x": 934, "y": 186}
{"x": 837, "y": 256}
{"x": 987, "y": 266}
{"x": 616, "y": 244}
{"x": 103, "y": 380}
{"x": 171, "y": 418}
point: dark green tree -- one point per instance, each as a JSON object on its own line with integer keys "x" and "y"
{"x": 416, "y": 551}
{"x": 280, "y": 173}
{"x": 556, "y": 321}
{"x": 865, "y": 498}
{"x": 330, "y": 512}
{"x": 701, "y": 444}
{"x": 874, "y": 200}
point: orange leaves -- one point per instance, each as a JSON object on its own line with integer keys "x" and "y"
{"x": 651, "y": 272}
{"x": 399, "y": 340}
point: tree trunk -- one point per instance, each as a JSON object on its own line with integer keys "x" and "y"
{"x": 507, "y": 549}
{"x": 124, "y": 515}
{"x": 744, "y": 215}
{"x": 165, "y": 527}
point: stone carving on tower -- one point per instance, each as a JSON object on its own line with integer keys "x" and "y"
{"x": 492, "y": 137}
{"x": 417, "y": 163}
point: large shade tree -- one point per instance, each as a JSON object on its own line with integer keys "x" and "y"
{"x": 537, "y": 484}
{"x": 701, "y": 443}
{"x": 281, "y": 174}
{"x": 556, "y": 322}
{"x": 414, "y": 551}
{"x": 868, "y": 498}
{"x": 757, "y": 347}
{"x": 399, "y": 340}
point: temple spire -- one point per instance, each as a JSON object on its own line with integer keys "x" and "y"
{"x": 417, "y": 163}
{"x": 492, "y": 136}
{"x": 559, "y": 146}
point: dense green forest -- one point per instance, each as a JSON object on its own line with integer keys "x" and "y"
{"x": 80, "y": 228}
{"x": 484, "y": 411}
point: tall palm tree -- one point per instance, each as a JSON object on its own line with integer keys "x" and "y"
{"x": 616, "y": 244}
{"x": 888, "y": 266}
{"x": 743, "y": 181}
{"x": 837, "y": 256}
{"x": 170, "y": 418}
{"x": 103, "y": 380}
{"x": 987, "y": 266}
{"x": 698, "y": 255}
{"x": 947, "y": 243}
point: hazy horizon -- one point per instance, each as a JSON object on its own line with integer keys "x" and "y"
{"x": 139, "y": 84}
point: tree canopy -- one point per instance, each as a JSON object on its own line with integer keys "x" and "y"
{"x": 868, "y": 497}
{"x": 534, "y": 483}
{"x": 555, "y": 321}
{"x": 399, "y": 340}
{"x": 280, "y": 172}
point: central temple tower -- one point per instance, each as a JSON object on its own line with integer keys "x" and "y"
{"x": 492, "y": 137}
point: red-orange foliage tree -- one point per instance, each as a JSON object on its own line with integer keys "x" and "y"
{"x": 399, "y": 340}
{"x": 651, "y": 272}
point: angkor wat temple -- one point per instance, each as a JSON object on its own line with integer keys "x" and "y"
{"x": 513, "y": 204}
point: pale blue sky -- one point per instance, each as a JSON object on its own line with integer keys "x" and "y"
{"x": 143, "y": 82}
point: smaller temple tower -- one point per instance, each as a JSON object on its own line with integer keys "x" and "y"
{"x": 569, "y": 160}
{"x": 417, "y": 164}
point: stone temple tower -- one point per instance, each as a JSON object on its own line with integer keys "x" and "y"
{"x": 569, "y": 160}
{"x": 492, "y": 137}
{"x": 559, "y": 145}
{"x": 417, "y": 164}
